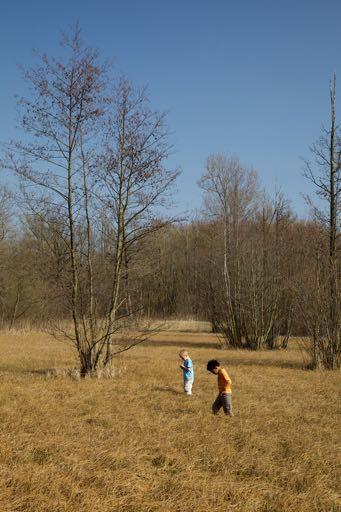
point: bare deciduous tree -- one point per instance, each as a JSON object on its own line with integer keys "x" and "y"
{"x": 325, "y": 175}
{"x": 133, "y": 183}
{"x": 65, "y": 103}
{"x": 91, "y": 154}
{"x": 231, "y": 195}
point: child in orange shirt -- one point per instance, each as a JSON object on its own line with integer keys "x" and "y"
{"x": 224, "y": 399}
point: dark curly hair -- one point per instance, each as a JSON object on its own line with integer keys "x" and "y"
{"x": 212, "y": 364}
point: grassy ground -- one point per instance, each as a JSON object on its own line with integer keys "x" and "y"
{"x": 135, "y": 443}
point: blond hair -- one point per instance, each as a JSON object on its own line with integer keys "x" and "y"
{"x": 183, "y": 353}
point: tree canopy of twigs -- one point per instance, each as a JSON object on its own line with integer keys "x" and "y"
{"x": 91, "y": 165}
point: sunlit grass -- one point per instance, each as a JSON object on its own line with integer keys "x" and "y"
{"x": 135, "y": 443}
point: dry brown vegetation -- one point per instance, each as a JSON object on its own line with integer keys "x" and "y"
{"x": 135, "y": 443}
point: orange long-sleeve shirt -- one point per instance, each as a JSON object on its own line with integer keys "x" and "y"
{"x": 224, "y": 381}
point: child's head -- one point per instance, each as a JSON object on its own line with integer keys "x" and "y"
{"x": 213, "y": 366}
{"x": 183, "y": 354}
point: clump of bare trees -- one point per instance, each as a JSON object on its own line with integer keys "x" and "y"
{"x": 252, "y": 310}
{"x": 91, "y": 167}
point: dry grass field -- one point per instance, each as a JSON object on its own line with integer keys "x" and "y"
{"x": 134, "y": 443}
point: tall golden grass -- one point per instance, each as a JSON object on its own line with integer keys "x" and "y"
{"x": 135, "y": 443}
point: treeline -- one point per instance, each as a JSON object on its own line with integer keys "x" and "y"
{"x": 93, "y": 245}
{"x": 178, "y": 272}
{"x": 251, "y": 273}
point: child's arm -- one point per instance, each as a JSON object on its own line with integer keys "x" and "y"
{"x": 185, "y": 366}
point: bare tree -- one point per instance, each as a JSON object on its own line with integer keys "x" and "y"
{"x": 231, "y": 194}
{"x": 133, "y": 184}
{"x": 5, "y": 212}
{"x": 251, "y": 302}
{"x": 4, "y": 227}
{"x": 267, "y": 303}
{"x": 325, "y": 175}
{"x": 65, "y": 104}
{"x": 91, "y": 154}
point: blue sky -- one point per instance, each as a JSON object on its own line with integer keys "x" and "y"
{"x": 249, "y": 78}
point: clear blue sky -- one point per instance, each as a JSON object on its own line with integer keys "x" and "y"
{"x": 248, "y": 77}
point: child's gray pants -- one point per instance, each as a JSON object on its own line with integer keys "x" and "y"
{"x": 223, "y": 400}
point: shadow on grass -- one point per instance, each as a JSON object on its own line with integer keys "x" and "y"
{"x": 23, "y": 371}
{"x": 227, "y": 355}
{"x": 268, "y": 363}
{"x": 181, "y": 343}
{"x": 35, "y": 372}
{"x": 40, "y": 371}
{"x": 167, "y": 389}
